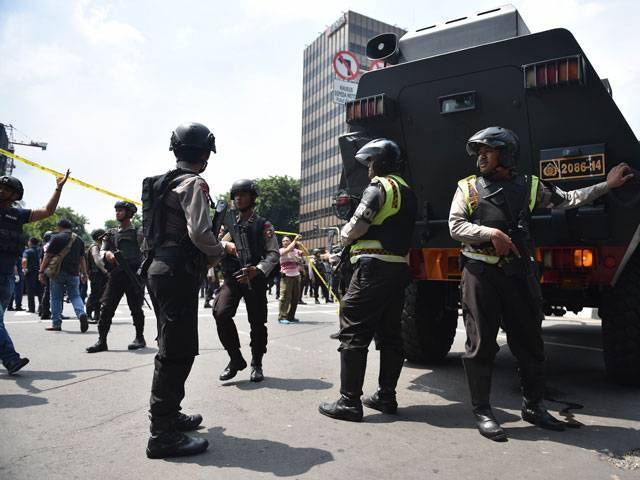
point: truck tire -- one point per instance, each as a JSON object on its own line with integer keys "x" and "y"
{"x": 429, "y": 320}
{"x": 620, "y": 313}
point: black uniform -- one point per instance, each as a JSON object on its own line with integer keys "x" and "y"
{"x": 119, "y": 283}
{"x": 504, "y": 291}
{"x": 180, "y": 242}
{"x": 264, "y": 253}
{"x": 98, "y": 280}
{"x": 372, "y": 306}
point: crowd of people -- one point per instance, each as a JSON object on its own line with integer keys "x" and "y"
{"x": 179, "y": 252}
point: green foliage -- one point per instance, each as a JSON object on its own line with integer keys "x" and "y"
{"x": 110, "y": 224}
{"x": 37, "y": 229}
{"x": 279, "y": 202}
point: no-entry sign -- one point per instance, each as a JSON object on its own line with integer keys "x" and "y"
{"x": 346, "y": 65}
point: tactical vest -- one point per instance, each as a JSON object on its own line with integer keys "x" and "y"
{"x": 91, "y": 263}
{"x": 12, "y": 239}
{"x": 503, "y": 204}
{"x": 255, "y": 236}
{"x": 127, "y": 242}
{"x": 390, "y": 233}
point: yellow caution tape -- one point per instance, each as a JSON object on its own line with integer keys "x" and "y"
{"x": 71, "y": 179}
{"x": 313, "y": 266}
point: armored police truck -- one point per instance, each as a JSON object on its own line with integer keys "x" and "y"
{"x": 443, "y": 83}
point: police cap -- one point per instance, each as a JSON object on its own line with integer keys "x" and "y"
{"x": 14, "y": 183}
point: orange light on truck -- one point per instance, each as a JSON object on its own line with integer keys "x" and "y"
{"x": 550, "y": 73}
{"x": 367, "y": 108}
{"x": 583, "y": 258}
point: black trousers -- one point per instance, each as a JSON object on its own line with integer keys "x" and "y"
{"x": 98, "y": 282}
{"x": 319, "y": 284}
{"x": 45, "y": 306}
{"x": 34, "y": 289}
{"x": 119, "y": 284}
{"x": 490, "y": 298}
{"x": 372, "y": 307}
{"x": 224, "y": 309}
{"x": 175, "y": 299}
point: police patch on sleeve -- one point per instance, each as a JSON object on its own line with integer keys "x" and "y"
{"x": 268, "y": 230}
{"x": 204, "y": 186}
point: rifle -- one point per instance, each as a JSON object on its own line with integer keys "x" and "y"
{"x": 526, "y": 263}
{"x": 239, "y": 235}
{"x": 220, "y": 211}
{"x": 126, "y": 268}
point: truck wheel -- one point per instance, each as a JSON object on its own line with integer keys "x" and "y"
{"x": 620, "y": 313}
{"x": 429, "y": 320}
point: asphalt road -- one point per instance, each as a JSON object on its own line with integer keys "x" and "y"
{"x": 74, "y": 415}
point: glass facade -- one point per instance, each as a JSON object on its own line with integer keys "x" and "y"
{"x": 323, "y": 120}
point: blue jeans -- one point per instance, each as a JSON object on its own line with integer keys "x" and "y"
{"x": 8, "y": 353}
{"x": 58, "y": 285}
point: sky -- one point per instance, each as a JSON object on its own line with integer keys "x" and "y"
{"x": 105, "y": 83}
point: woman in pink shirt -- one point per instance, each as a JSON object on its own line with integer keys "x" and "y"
{"x": 290, "y": 260}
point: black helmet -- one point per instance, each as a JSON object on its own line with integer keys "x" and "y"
{"x": 97, "y": 234}
{"x": 192, "y": 135}
{"x": 385, "y": 154}
{"x": 47, "y": 235}
{"x": 128, "y": 206}
{"x": 14, "y": 183}
{"x": 244, "y": 185}
{"x": 499, "y": 138}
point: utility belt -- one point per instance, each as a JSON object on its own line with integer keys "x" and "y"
{"x": 511, "y": 265}
{"x": 373, "y": 248}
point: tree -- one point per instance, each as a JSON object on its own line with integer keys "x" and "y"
{"x": 78, "y": 222}
{"x": 279, "y": 202}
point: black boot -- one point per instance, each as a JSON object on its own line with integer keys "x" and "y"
{"x": 236, "y": 364}
{"x": 533, "y": 409}
{"x": 166, "y": 441}
{"x": 103, "y": 330}
{"x": 186, "y": 423}
{"x": 256, "y": 368}
{"x": 139, "y": 341}
{"x": 536, "y": 414}
{"x": 384, "y": 400}
{"x": 353, "y": 364}
{"x": 99, "y": 346}
{"x": 479, "y": 380}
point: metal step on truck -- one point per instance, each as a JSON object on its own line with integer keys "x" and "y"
{"x": 443, "y": 83}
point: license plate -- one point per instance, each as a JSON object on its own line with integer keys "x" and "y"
{"x": 557, "y": 169}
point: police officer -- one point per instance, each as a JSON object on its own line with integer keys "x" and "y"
{"x": 246, "y": 281}
{"x": 127, "y": 240}
{"x": 379, "y": 234}
{"x": 45, "y": 311}
{"x": 490, "y": 214}
{"x": 12, "y": 219}
{"x": 97, "y": 275}
{"x": 179, "y": 238}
